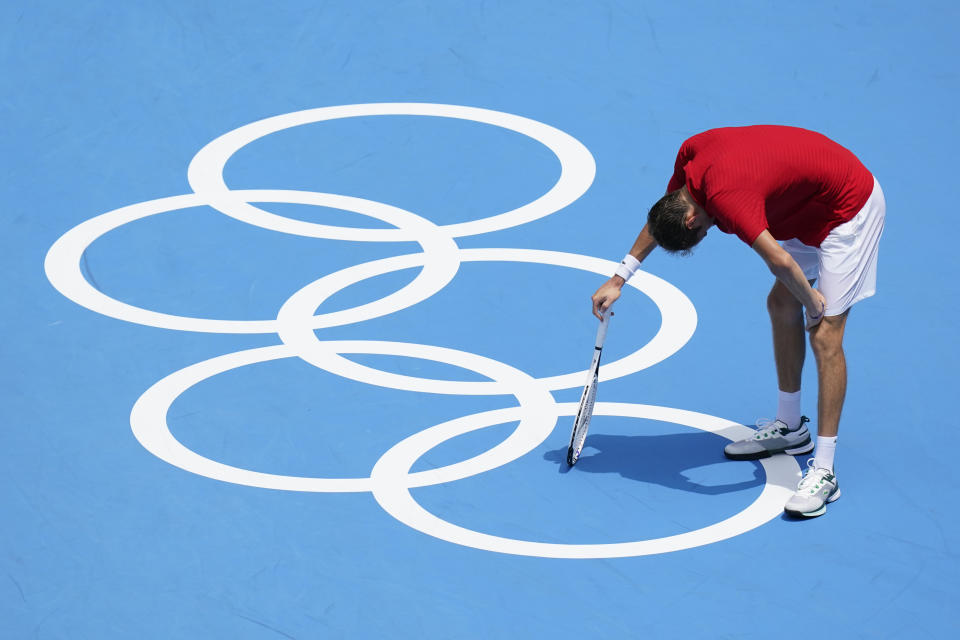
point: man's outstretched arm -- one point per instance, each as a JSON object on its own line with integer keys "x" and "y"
{"x": 608, "y": 293}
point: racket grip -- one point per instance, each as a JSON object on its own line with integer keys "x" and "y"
{"x": 602, "y": 329}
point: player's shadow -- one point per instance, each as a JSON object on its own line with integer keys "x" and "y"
{"x": 656, "y": 459}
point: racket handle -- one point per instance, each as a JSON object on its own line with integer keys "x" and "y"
{"x": 602, "y": 329}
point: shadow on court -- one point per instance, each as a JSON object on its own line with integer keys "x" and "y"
{"x": 666, "y": 460}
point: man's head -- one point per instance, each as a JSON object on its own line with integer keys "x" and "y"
{"x": 677, "y": 222}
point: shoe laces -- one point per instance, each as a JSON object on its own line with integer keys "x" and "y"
{"x": 767, "y": 428}
{"x": 813, "y": 478}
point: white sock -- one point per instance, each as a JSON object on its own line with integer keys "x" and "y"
{"x": 788, "y": 409}
{"x": 823, "y": 456}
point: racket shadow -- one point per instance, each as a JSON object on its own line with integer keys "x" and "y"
{"x": 657, "y": 459}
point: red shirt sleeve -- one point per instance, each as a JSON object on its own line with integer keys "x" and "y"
{"x": 679, "y": 173}
{"x": 741, "y": 212}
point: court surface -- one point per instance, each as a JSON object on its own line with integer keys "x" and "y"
{"x": 296, "y": 316}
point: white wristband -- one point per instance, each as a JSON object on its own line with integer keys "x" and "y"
{"x": 628, "y": 267}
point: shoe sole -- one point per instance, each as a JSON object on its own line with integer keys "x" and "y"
{"x": 806, "y": 447}
{"x": 817, "y": 512}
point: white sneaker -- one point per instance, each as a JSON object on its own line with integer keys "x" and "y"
{"x": 816, "y": 489}
{"x": 772, "y": 438}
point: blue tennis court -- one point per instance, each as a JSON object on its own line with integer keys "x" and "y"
{"x": 297, "y": 317}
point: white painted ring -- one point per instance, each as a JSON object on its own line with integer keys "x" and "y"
{"x": 392, "y": 492}
{"x": 536, "y": 416}
{"x": 577, "y": 168}
{"x": 62, "y": 263}
{"x": 296, "y": 323}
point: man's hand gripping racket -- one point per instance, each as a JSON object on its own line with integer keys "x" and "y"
{"x": 589, "y": 395}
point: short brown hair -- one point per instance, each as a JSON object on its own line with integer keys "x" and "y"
{"x": 668, "y": 223}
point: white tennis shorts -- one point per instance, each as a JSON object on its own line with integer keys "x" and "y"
{"x": 845, "y": 264}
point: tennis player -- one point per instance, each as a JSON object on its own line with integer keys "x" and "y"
{"x": 815, "y": 214}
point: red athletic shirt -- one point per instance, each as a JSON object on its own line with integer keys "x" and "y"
{"x": 793, "y": 182}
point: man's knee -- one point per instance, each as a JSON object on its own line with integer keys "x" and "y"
{"x": 781, "y": 304}
{"x": 826, "y": 339}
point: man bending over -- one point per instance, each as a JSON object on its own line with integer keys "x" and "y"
{"x": 767, "y": 184}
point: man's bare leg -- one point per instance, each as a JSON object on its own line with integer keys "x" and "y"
{"x": 789, "y": 336}
{"x": 789, "y": 349}
{"x": 819, "y": 485}
{"x": 827, "y": 342}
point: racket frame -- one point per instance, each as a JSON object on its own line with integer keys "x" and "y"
{"x": 581, "y": 423}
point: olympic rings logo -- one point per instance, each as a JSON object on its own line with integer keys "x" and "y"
{"x": 296, "y": 324}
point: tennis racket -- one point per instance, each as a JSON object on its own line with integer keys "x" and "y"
{"x": 588, "y": 397}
